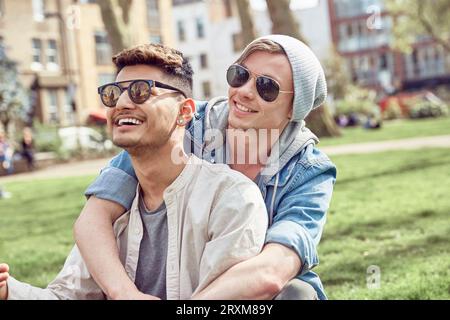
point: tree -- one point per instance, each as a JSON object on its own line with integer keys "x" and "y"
{"x": 338, "y": 79}
{"x": 283, "y": 20}
{"x": 248, "y": 33}
{"x": 414, "y": 17}
{"x": 14, "y": 101}
{"x": 116, "y": 18}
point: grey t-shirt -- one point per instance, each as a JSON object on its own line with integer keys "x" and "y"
{"x": 151, "y": 269}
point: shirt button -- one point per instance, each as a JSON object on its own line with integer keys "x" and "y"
{"x": 137, "y": 231}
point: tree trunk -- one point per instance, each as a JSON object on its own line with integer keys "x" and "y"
{"x": 321, "y": 123}
{"x": 248, "y": 32}
{"x": 115, "y": 16}
{"x": 283, "y": 20}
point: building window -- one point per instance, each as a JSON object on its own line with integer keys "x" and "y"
{"x": 36, "y": 51}
{"x": 181, "y": 31}
{"x": 102, "y": 49}
{"x": 227, "y": 5}
{"x": 203, "y": 61}
{"x": 39, "y": 10}
{"x": 206, "y": 86}
{"x": 52, "y": 55}
{"x": 155, "y": 38}
{"x": 153, "y": 18}
{"x": 53, "y": 106}
{"x": 200, "y": 28}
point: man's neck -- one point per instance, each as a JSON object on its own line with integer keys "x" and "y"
{"x": 156, "y": 169}
{"x": 242, "y": 155}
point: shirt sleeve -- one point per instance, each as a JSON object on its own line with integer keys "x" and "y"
{"x": 117, "y": 182}
{"x": 301, "y": 214}
{"x": 237, "y": 228}
{"x": 74, "y": 282}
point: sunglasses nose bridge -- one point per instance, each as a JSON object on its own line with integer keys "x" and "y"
{"x": 124, "y": 101}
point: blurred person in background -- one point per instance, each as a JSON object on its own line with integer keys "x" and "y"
{"x": 6, "y": 154}
{"x": 28, "y": 147}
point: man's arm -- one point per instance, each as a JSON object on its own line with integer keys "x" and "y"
{"x": 261, "y": 277}
{"x": 72, "y": 283}
{"x": 110, "y": 195}
{"x": 236, "y": 232}
{"x": 94, "y": 226}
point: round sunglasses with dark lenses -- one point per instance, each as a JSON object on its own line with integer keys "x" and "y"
{"x": 268, "y": 89}
{"x": 138, "y": 90}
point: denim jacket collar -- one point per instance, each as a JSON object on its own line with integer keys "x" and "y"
{"x": 294, "y": 138}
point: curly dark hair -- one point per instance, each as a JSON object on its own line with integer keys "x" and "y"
{"x": 171, "y": 61}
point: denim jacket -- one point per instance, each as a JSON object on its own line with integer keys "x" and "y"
{"x": 296, "y": 185}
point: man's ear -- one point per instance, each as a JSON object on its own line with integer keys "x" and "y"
{"x": 187, "y": 110}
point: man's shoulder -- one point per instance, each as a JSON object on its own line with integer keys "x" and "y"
{"x": 223, "y": 173}
{"x": 311, "y": 156}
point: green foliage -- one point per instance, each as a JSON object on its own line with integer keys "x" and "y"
{"x": 393, "y": 110}
{"x": 14, "y": 100}
{"x": 358, "y": 100}
{"x": 426, "y": 107}
{"x": 46, "y": 138}
{"x": 415, "y": 18}
{"x": 338, "y": 80}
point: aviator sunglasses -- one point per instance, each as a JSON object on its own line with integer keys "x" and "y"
{"x": 138, "y": 91}
{"x": 268, "y": 89}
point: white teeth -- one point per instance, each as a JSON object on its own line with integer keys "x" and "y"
{"x": 242, "y": 108}
{"x": 129, "y": 120}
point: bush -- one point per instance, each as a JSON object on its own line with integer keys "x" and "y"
{"x": 426, "y": 109}
{"x": 357, "y": 106}
{"x": 46, "y": 138}
{"x": 393, "y": 110}
{"x": 427, "y": 106}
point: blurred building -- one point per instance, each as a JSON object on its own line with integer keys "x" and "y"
{"x": 361, "y": 31}
{"x": 63, "y": 52}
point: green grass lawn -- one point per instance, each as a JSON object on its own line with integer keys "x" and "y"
{"x": 390, "y": 209}
{"x": 392, "y": 130}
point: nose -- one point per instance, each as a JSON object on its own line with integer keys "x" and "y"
{"x": 124, "y": 101}
{"x": 248, "y": 90}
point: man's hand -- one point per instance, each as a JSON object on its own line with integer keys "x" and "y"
{"x": 4, "y": 275}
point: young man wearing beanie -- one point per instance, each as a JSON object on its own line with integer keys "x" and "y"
{"x": 275, "y": 83}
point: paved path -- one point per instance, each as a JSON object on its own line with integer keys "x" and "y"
{"x": 93, "y": 166}
{"x": 81, "y": 168}
{"x": 379, "y": 146}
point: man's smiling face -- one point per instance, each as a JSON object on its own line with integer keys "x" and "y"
{"x": 248, "y": 109}
{"x": 150, "y": 124}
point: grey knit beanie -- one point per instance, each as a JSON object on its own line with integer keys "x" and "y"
{"x": 310, "y": 88}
